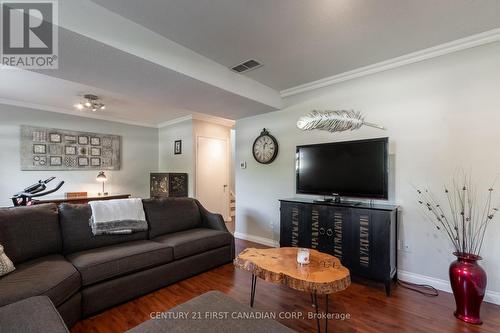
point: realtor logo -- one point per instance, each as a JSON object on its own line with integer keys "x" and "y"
{"x": 29, "y": 34}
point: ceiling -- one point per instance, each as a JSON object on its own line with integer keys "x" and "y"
{"x": 152, "y": 61}
{"x": 134, "y": 90}
{"x": 302, "y": 41}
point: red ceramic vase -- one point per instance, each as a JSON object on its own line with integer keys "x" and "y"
{"x": 468, "y": 282}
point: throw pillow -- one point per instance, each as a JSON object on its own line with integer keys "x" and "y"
{"x": 6, "y": 265}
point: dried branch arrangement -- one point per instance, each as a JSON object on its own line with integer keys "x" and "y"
{"x": 334, "y": 121}
{"x": 467, "y": 219}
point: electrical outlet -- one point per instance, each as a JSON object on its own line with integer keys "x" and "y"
{"x": 243, "y": 165}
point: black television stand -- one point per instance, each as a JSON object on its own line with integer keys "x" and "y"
{"x": 362, "y": 235}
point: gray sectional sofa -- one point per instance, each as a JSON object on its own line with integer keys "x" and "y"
{"x": 56, "y": 254}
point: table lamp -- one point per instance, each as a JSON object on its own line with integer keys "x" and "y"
{"x": 101, "y": 177}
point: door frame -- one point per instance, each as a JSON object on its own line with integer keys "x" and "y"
{"x": 224, "y": 214}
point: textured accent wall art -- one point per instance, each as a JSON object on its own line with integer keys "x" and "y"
{"x": 57, "y": 149}
{"x": 169, "y": 184}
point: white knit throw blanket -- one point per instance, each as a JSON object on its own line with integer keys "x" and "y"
{"x": 120, "y": 216}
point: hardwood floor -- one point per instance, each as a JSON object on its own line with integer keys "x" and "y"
{"x": 369, "y": 309}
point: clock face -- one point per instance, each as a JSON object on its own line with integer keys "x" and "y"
{"x": 265, "y": 149}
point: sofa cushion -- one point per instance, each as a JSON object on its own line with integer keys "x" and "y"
{"x": 52, "y": 276}
{"x": 193, "y": 241}
{"x": 30, "y": 232}
{"x": 77, "y": 235}
{"x": 168, "y": 215}
{"x": 116, "y": 260}
{"x": 33, "y": 315}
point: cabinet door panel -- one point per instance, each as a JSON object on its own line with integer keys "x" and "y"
{"x": 304, "y": 225}
{"x": 326, "y": 230}
{"x": 361, "y": 237}
{"x": 380, "y": 251}
{"x": 288, "y": 218}
{"x": 333, "y": 230}
{"x": 338, "y": 228}
{"x": 371, "y": 243}
{"x": 319, "y": 226}
{"x": 295, "y": 228}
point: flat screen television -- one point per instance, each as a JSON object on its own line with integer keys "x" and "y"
{"x": 350, "y": 168}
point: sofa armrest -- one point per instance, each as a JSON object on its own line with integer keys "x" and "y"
{"x": 211, "y": 220}
{"x": 216, "y": 222}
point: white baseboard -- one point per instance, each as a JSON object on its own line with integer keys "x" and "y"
{"x": 444, "y": 285}
{"x": 257, "y": 239}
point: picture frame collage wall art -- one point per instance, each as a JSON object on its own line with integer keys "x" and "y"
{"x": 58, "y": 149}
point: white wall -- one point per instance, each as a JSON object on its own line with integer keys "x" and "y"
{"x": 232, "y": 164}
{"x": 139, "y": 154}
{"x": 168, "y": 161}
{"x": 187, "y": 131}
{"x": 441, "y": 114}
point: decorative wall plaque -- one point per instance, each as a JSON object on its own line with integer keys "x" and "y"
{"x": 169, "y": 185}
{"x": 57, "y": 149}
{"x": 177, "y": 147}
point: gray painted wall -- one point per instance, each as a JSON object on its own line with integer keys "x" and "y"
{"x": 441, "y": 114}
{"x": 178, "y": 163}
{"x": 139, "y": 154}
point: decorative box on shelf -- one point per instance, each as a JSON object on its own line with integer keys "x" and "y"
{"x": 168, "y": 184}
{"x": 70, "y": 195}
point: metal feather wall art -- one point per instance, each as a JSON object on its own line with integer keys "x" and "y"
{"x": 334, "y": 121}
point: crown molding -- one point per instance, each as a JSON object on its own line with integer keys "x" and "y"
{"x": 432, "y": 52}
{"x": 42, "y": 107}
{"x": 214, "y": 120}
{"x": 174, "y": 121}
{"x": 199, "y": 116}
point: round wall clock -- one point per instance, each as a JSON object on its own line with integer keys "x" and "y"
{"x": 265, "y": 148}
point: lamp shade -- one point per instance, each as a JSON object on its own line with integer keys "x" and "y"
{"x": 101, "y": 177}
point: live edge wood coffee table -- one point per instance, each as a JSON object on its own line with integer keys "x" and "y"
{"x": 324, "y": 274}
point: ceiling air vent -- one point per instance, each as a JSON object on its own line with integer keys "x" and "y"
{"x": 246, "y": 66}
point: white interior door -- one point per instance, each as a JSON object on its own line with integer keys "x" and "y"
{"x": 212, "y": 188}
